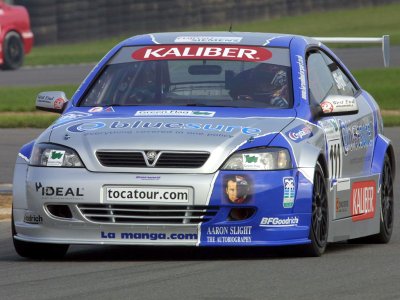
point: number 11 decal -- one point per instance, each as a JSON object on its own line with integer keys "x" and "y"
{"x": 335, "y": 159}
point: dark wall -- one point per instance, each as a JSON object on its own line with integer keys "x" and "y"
{"x": 56, "y": 21}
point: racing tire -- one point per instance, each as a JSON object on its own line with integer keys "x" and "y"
{"x": 320, "y": 217}
{"x": 13, "y": 51}
{"x": 37, "y": 250}
{"x": 387, "y": 210}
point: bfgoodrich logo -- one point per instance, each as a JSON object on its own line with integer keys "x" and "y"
{"x": 279, "y": 222}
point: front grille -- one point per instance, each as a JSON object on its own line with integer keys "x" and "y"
{"x": 165, "y": 159}
{"x": 121, "y": 159}
{"x": 182, "y": 160}
{"x": 147, "y": 214}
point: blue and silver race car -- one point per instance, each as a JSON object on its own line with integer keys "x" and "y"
{"x": 207, "y": 139}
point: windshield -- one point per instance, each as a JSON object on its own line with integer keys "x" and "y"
{"x": 161, "y": 76}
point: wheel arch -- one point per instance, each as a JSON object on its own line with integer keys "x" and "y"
{"x": 390, "y": 152}
{"x": 9, "y": 30}
{"x": 383, "y": 146}
{"x": 309, "y": 156}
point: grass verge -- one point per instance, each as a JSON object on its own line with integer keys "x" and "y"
{"x": 27, "y": 119}
{"x": 383, "y": 19}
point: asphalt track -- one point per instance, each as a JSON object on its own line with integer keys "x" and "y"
{"x": 346, "y": 271}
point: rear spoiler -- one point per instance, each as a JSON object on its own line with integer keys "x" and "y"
{"x": 384, "y": 40}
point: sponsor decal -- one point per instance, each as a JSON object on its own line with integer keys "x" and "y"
{"x": 32, "y": 218}
{"x": 101, "y": 109}
{"x": 149, "y": 236}
{"x": 56, "y": 158}
{"x": 237, "y": 189}
{"x": 175, "y": 113}
{"x": 343, "y": 184}
{"x": 242, "y": 53}
{"x": 229, "y": 234}
{"x": 342, "y": 205}
{"x": 300, "y": 133}
{"x": 279, "y": 222}
{"x": 59, "y": 103}
{"x": 95, "y": 109}
{"x": 147, "y": 194}
{"x": 82, "y": 127}
{"x": 109, "y": 109}
{"x": 363, "y": 200}
{"x": 61, "y": 191}
{"x": 288, "y": 192}
{"x": 338, "y": 105}
{"x": 90, "y": 126}
{"x": 331, "y": 129}
{"x": 327, "y": 107}
{"x": 257, "y": 161}
{"x": 356, "y": 136}
{"x": 339, "y": 80}
{"x": 144, "y": 177}
{"x": 207, "y": 39}
{"x": 45, "y": 99}
{"x": 302, "y": 77}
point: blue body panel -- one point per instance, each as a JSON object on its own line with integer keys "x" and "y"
{"x": 267, "y": 200}
{"x": 26, "y": 150}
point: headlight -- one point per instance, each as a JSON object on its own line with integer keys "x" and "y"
{"x": 50, "y": 155}
{"x": 259, "y": 159}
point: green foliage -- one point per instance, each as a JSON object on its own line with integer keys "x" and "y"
{"x": 382, "y": 84}
{"x": 26, "y": 120}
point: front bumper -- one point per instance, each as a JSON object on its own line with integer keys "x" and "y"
{"x": 278, "y": 215}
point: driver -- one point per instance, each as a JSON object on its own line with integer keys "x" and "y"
{"x": 138, "y": 84}
{"x": 264, "y": 83}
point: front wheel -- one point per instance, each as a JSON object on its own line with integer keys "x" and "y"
{"x": 37, "y": 250}
{"x": 319, "y": 220}
{"x": 387, "y": 211}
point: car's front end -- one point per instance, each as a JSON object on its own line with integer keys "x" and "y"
{"x": 173, "y": 186}
{"x": 194, "y": 144}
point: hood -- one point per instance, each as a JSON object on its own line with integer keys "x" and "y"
{"x": 219, "y": 134}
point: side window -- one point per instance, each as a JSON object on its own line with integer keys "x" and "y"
{"x": 321, "y": 83}
{"x": 344, "y": 85}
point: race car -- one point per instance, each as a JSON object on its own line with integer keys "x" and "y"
{"x": 16, "y": 37}
{"x": 207, "y": 139}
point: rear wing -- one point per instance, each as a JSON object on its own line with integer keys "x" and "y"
{"x": 384, "y": 40}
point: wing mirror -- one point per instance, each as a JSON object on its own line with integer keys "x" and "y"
{"x": 338, "y": 105}
{"x": 51, "y": 101}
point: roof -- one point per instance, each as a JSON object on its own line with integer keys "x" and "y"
{"x": 222, "y": 37}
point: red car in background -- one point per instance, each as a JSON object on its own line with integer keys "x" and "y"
{"x": 16, "y": 37}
